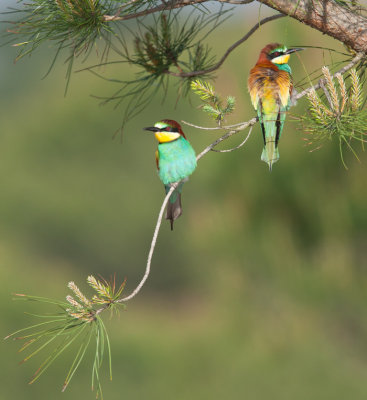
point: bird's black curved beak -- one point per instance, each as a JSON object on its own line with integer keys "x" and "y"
{"x": 151, "y": 128}
{"x": 290, "y": 51}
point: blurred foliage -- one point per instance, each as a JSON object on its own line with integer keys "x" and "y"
{"x": 260, "y": 291}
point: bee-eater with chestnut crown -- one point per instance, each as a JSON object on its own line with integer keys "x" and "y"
{"x": 270, "y": 86}
{"x": 175, "y": 159}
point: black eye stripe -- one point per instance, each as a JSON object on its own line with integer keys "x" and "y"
{"x": 169, "y": 129}
{"x": 276, "y": 54}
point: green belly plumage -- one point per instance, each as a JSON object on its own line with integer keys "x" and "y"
{"x": 177, "y": 160}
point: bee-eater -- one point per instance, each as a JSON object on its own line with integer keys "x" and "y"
{"x": 270, "y": 86}
{"x": 175, "y": 159}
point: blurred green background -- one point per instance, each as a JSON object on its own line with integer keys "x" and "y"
{"x": 260, "y": 291}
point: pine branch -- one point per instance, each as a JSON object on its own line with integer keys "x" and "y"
{"x": 230, "y": 49}
{"x": 343, "y": 118}
{"x": 74, "y": 323}
{"x": 231, "y": 130}
{"x": 329, "y": 17}
{"x": 341, "y": 71}
{"x": 77, "y": 24}
{"x": 238, "y": 146}
{"x": 212, "y": 101}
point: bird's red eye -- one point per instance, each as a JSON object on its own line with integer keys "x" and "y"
{"x": 276, "y": 54}
{"x": 167, "y": 128}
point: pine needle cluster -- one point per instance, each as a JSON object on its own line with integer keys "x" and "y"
{"x": 77, "y": 322}
{"x": 213, "y": 104}
{"x": 107, "y": 292}
{"x": 68, "y": 23}
{"x": 74, "y": 25}
{"x": 162, "y": 46}
{"x": 168, "y": 47}
{"x": 341, "y": 116}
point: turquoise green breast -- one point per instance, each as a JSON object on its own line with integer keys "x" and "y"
{"x": 285, "y": 67}
{"x": 177, "y": 160}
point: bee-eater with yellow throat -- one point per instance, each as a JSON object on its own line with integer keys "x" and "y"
{"x": 270, "y": 86}
{"x": 175, "y": 159}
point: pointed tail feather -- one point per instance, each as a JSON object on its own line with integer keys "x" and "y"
{"x": 174, "y": 209}
{"x": 270, "y": 153}
{"x": 271, "y": 128}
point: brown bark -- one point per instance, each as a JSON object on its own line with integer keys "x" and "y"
{"x": 328, "y": 17}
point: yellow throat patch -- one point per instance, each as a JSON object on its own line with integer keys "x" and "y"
{"x": 281, "y": 59}
{"x": 164, "y": 137}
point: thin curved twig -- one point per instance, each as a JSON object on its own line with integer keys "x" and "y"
{"x": 163, "y": 206}
{"x": 342, "y": 71}
{"x": 215, "y": 128}
{"x": 152, "y": 246}
{"x": 169, "y": 5}
{"x": 114, "y": 17}
{"x": 239, "y": 2}
{"x": 161, "y": 7}
{"x": 228, "y": 134}
{"x": 237, "y": 147}
{"x": 225, "y": 55}
{"x": 229, "y": 50}
{"x": 161, "y": 211}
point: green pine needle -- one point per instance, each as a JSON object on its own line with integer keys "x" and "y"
{"x": 167, "y": 48}
{"x": 212, "y": 102}
{"x": 77, "y": 324}
{"x": 229, "y": 108}
{"x": 205, "y": 91}
{"x": 71, "y": 25}
{"x": 77, "y": 360}
{"x": 343, "y": 118}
